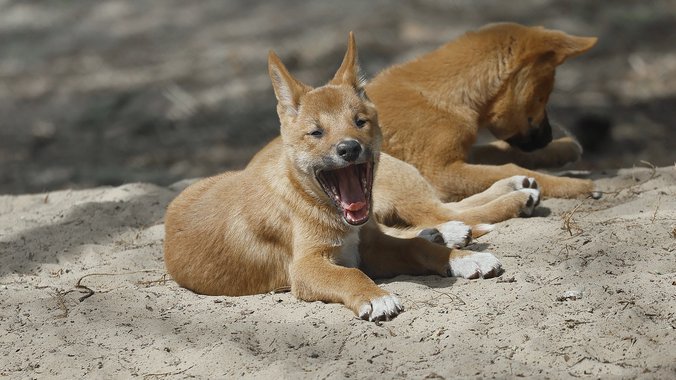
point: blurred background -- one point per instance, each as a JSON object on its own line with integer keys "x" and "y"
{"x": 109, "y": 92}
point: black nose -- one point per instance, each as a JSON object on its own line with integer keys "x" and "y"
{"x": 536, "y": 138}
{"x": 348, "y": 150}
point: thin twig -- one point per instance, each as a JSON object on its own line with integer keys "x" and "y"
{"x": 652, "y": 220}
{"x": 90, "y": 292}
{"x": 281, "y": 289}
{"x": 451, "y": 296}
{"x": 569, "y": 223}
{"x": 653, "y": 174}
{"x": 162, "y": 280}
{"x": 165, "y": 374}
{"x": 653, "y": 168}
{"x": 61, "y": 303}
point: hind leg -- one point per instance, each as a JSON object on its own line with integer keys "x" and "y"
{"x": 453, "y": 234}
{"x": 406, "y": 206}
{"x": 458, "y": 180}
{"x": 387, "y": 256}
{"x": 511, "y": 205}
{"x": 404, "y": 199}
{"x": 505, "y": 199}
{"x": 497, "y": 190}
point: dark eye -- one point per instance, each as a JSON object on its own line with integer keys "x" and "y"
{"x": 316, "y": 133}
{"x": 359, "y": 122}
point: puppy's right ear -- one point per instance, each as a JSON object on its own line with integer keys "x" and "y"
{"x": 288, "y": 89}
{"x": 567, "y": 46}
{"x": 349, "y": 72}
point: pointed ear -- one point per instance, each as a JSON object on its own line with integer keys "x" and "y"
{"x": 349, "y": 72}
{"x": 566, "y": 46}
{"x": 288, "y": 89}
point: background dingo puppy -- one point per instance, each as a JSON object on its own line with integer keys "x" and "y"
{"x": 499, "y": 78}
{"x": 299, "y": 214}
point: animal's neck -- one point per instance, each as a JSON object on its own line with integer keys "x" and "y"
{"x": 348, "y": 254}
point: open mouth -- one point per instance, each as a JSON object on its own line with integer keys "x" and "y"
{"x": 350, "y": 189}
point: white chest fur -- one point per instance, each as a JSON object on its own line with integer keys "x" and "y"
{"x": 348, "y": 256}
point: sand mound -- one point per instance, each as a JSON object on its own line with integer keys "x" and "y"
{"x": 589, "y": 289}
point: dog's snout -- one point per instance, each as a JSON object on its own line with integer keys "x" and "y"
{"x": 536, "y": 138}
{"x": 348, "y": 150}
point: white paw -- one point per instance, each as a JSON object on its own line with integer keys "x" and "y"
{"x": 456, "y": 234}
{"x": 519, "y": 182}
{"x": 475, "y": 265}
{"x": 531, "y": 202}
{"x": 381, "y": 309}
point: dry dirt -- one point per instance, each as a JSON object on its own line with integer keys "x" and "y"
{"x": 616, "y": 254}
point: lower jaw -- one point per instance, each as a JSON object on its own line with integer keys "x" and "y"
{"x": 356, "y": 220}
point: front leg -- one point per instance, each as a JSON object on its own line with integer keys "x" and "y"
{"x": 559, "y": 152}
{"x": 388, "y": 256}
{"x": 459, "y": 180}
{"x": 315, "y": 278}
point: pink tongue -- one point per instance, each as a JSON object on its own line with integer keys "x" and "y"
{"x": 352, "y": 197}
{"x": 354, "y": 206}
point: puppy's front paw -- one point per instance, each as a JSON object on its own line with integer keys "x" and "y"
{"x": 381, "y": 309}
{"x": 568, "y": 149}
{"x": 531, "y": 200}
{"x": 475, "y": 265}
{"x": 452, "y": 234}
{"x": 456, "y": 234}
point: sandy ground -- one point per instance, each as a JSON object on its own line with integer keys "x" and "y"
{"x": 128, "y": 319}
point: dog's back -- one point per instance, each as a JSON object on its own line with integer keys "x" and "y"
{"x": 226, "y": 223}
{"x": 499, "y": 78}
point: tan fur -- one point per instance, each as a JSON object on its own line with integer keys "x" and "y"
{"x": 403, "y": 198}
{"x": 498, "y": 78}
{"x": 271, "y": 225}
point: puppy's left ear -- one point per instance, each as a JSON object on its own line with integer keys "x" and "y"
{"x": 288, "y": 89}
{"x": 566, "y": 46}
{"x": 349, "y": 72}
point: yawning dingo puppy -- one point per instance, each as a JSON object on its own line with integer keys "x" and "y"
{"x": 299, "y": 214}
{"x": 498, "y": 77}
